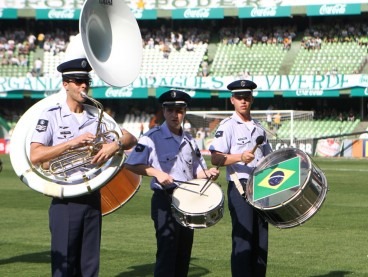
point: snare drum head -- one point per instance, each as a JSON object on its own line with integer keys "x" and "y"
{"x": 278, "y": 178}
{"x": 188, "y": 198}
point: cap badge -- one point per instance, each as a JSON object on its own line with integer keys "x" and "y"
{"x": 84, "y": 63}
{"x": 242, "y": 83}
{"x": 173, "y": 94}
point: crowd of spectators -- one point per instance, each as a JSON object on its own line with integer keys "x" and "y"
{"x": 337, "y": 31}
{"x": 16, "y": 43}
{"x": 275, "y": 35}
{"x": 166, "y": 39}
{"x": 15, "y": 46}
{"x": 335, "y": 114}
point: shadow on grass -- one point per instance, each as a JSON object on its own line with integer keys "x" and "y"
{"x": 335, "y": 274}
{"x": 39, "y": 257}
{"x": 147, "y": 271}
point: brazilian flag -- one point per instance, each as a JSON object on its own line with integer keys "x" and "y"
{"x": 277, "y": 178}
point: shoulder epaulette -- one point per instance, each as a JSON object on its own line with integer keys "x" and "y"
{"x": 53, "y": 108}
{"x": 225, "y": 120}
{"x": 153, "y": 130}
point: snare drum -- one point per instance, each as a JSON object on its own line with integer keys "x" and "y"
{"x": 287, "y": 188}
{"x": 194, "y": 209}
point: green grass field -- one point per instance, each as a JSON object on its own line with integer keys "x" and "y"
{"x": 332, "y": 243}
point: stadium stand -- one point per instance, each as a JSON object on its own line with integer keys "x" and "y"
{"x": 229, "y": 51}
{"x": 240, "y": 60}
{"x": 331, "y": 58}
{"x": 253, "y": 51}
{"x": 317, "y": 128}
{"x": 172, "y": 62}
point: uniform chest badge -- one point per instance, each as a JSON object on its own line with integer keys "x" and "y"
{"x": 219, "y": 134}
{"x": 139, "y": 148}
{"x": 42, "y": 125}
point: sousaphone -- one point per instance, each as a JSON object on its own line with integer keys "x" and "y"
{"x": 111, "y": 41}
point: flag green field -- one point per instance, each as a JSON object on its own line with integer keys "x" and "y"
{"x": 333, "y": 243}
{"x": 276, "y": 178}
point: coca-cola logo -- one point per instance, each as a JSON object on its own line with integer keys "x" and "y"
{"x": 332, "y": 9}
{"x": 196, "y": 13}
{"x": 61, "y": 14}
{"x": 119, "y": 92}
{"x": 309, "y": 92}
{"x": 263, "y": 12}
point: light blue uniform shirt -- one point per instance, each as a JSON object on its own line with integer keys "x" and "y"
{"x": 159, "y": 149}
{"x": 235, "y": 136}
{"x": 58, "y": 124}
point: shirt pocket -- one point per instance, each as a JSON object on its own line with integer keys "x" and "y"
{"x": 167, "y": 162}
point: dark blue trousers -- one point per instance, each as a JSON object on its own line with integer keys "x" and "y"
{"x": 174, "y": 241}
{"x": 249, "y": 236}
{"x": 75, "y": 225}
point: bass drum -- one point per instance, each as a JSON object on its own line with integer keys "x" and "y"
{"x": 119, "y": 190}
{"x": 287, "y": 188}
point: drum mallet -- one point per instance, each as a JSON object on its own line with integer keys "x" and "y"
{"x": 259, "y": 141}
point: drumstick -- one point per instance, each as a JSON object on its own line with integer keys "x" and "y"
{"x": 185, "y": 182}
{"x": 179, "y": 187}
{"x": 259, "y": 141}
{"x": 209, "y": 179}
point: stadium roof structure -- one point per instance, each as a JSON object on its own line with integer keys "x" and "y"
{"x": 191, "y": 9}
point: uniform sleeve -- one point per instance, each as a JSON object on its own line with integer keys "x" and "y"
{"x": 221, "y": 141}
{"x": 141, "y": 153}
{"x": 44, "y": 130}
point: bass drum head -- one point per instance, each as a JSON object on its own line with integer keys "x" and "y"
{"x": 278, "y": 177}
{"x": 119, "y": 190}
{"x": 286, "y": 188}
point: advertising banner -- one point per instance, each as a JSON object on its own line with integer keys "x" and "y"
{"x": 257, "y": 12}
{"x": 333, "y": 9}
{"x": 8, "y": 13}
{"x": 328, "y": 148}
{"x": 114, "y": 92}
{"x": 58, "y": 14}
{"x": 175, "y": 4}
{"x": 204, "y": 87}
{"x": 198, "y": 13}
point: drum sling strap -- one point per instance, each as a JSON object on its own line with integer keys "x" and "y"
{"x": 238, "y": 185}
